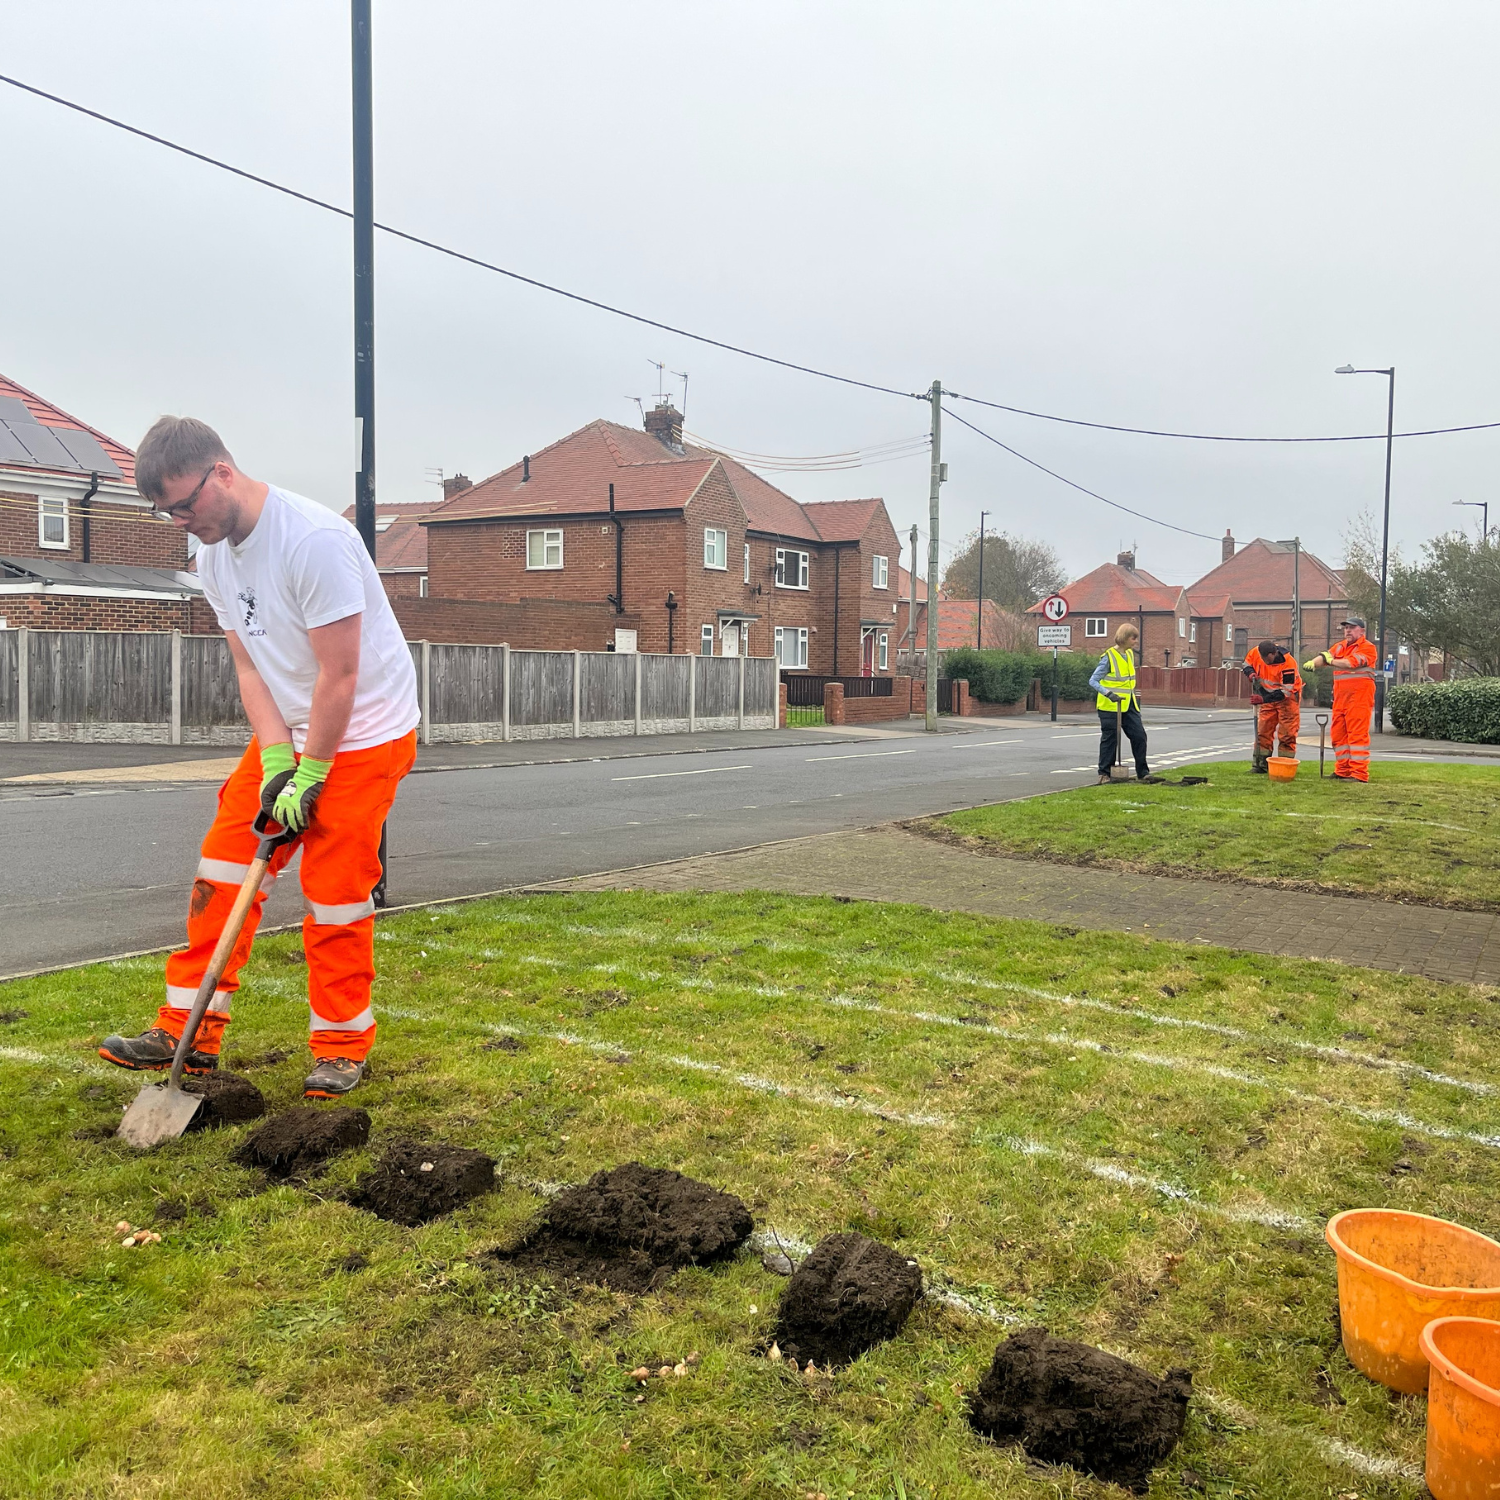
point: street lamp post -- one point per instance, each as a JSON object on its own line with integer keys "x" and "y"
{"x": 1295, "y": 543}
{"x": 1385, "y": 530}
{"x": 1484, "y": 520}
{"x": 979, "y": 611}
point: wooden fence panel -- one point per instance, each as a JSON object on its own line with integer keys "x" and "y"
{"x": 466, "y": 684}
{"x": 718, "y": 686}
{"x": 664, "y": 687}
{"x": 100, "y": 677}
{"x": 10, "y": 680}
{"x": 762, "y": 680}
{"x": 607, "y": 688}
{"x": 541, "y": 687}
{"x": 210, "y": 688}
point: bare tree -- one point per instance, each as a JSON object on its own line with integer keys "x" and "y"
{"x": 1017, "y": 571}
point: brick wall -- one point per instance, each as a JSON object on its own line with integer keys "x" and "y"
{"x": 117, "y": 534}
{"x": 402, "y": 585}
{"x": 528, "y": 625}
{"x": 706, "y": 591}
{"x": 82, "y": 612}
{"x": 837, "y": 709}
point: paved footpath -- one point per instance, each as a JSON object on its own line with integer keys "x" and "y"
{"x": 890, "y": 864}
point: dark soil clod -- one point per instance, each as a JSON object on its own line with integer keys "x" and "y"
{"x": 632, "y": 1227}
{"x": 415, "y": 1182}
{"x": 505, "y": 1044}
{"x": 848, "y": 1295}
{"x": 10, "y": 1017}
{"x": 300, "y": 1141}
{"x": 1069, "y": 1403}
{"x": 227, "y": 1100}
{"x": 265, "y": 1060}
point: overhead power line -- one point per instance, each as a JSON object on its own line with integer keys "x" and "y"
{"x": 1072, "y": 484}
{"x": 854, "y": 458}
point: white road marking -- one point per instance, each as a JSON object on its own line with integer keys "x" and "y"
{"x": 982, "y": 745}
{"x": 658, "y": 775}
{"x": 861, "y": 755}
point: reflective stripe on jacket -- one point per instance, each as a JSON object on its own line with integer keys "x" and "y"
{"x": 1118, "y": 677}
{"x": 1353, "y": 661}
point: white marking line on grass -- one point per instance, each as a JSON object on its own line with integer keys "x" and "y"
{"x": 662, "y": 775}
{"x": 860, "y": 755}
{"x": 1361, "y": 1462}
{"x": 49, "y": 1060}
{"x": 1335, "y": 1054}
{"x": 1067, "y": 1041}
{"x": 1022, "y": 1145}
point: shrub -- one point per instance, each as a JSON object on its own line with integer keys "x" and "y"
{"x": 1074, "y": 668}
{"x": 993, "y": 676}
{"x": 1467, "y": 709}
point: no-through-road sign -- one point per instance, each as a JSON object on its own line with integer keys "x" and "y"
{"x": 1055, "y": 608}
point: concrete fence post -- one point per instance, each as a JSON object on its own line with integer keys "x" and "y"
{"x": 23, "y": 683}
{"x": 692, "y": 662}
{"x": 176, "y": 733}
{"x": 637, "y": 692}
{"x": 741, "y": 710}
{"x": 505, "y": 692}
{"x": 426, "y": 692}
{"x": 577, "y": 695}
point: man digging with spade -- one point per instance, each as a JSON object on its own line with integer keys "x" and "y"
{"x": 327, "y": 683}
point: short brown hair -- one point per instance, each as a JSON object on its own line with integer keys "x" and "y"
{"x": 1127, "y": 629}
{"x": 175, "y": 446}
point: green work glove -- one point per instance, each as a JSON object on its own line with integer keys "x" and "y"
{"x": 293, "y": 809}
{"x": 277, "y": 766}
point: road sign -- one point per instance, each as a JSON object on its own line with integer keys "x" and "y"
{"x": 1055, "y": 608}
{"x": 1054, "y": 635}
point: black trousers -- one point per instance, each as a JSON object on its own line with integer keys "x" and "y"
{"x": 1135, "y": 732}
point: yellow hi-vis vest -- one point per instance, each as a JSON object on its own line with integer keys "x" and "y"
{"x": 1120, "y": 678}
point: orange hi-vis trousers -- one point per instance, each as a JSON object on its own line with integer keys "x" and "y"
{"x": 1353, "y": 713}
{"x": 340, "y": 868}
{"x": 1275, "y": 721}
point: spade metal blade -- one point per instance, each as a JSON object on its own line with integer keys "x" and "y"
{"x": 158, "y": 1113}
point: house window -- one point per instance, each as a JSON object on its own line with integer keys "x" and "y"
{"x": 706, "y": 641}
{"x": 52, "y": 523}
{"x": 1096, "y": 625}
{"x": 1181, "y": 627}
{"x": 544, "y": 549}
{"x": 1193, "y": 631}
{"x": 1228, "y": 632}
{"x": 747, "y": 562}
{"x": 422, "y": 587}
{"x": 715, "y": 548}
{"x": 384, "y": 523}
{"x": 881, "y": 572}
{"x": 791, "y": 645}
{"x": 791, "y": 569}
{"x": 885, "y": 654}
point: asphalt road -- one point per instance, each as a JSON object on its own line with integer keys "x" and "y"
{"x": 96, "y": 870}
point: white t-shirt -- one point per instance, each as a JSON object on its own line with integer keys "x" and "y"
{"x": 301, "y": 567}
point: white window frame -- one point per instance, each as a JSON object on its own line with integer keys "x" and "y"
{"x": 550, "y": 538}
{"x": 422, "y": 587}
{"x": 1229, "y": 632}
{"x": 706, "y": 638}
{"x": 1096, "y": 627}
{"x": 791, "y": 640}
{"x": 880, "y": 577}
{"x": 716, "y": 548}
{"x": 1181, "y": 628}
{"x": 787, "y": 558}
{"x": 52, "y": 508}
{"x": 1193, "y": 632}
{"x": 885, "y": 650}
{"x": 747, "y": 562}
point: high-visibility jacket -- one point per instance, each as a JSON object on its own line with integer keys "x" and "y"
{"x": 1353, "y": 662}
{"x": 1118, "y": 679}
{"x": 1353, "y": 705}
{"x": 1278, "y": 677}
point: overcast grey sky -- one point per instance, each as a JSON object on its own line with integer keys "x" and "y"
{"x": 1171, "y": 215}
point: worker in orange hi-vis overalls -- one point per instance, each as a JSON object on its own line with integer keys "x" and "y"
{"x": 1353, "y": 662}
{"x": 1276, "y": 686}
{"x": 326, "y": 680}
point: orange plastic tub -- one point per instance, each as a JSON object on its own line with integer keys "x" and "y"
{"x": 1282, "y": 767}
{"x": 1463, "y": 1408}
{"x": 1399, "y": 1271}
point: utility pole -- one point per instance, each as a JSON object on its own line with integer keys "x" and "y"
{"x": 911, "y": 608}
{"x": 979, "y": 611}
{"x": 1295, "y": 543}
{"x": 364, "y": 276}
{"x": 935, "y": 479}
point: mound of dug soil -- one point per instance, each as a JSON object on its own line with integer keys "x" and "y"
{"x": 632, "y": 1227}
{"x": 301, "y": 1140}
{"x": 227, "y": 1100}
{"x": 1069, "y": 1403}
{"x": 414, "y": 1182}
{"x": 848, "y": 1295}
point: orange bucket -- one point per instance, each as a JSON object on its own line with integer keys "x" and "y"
{"x": 1463, "y": 1408}
{"x": 1282, "y": 767}
{"x": 1399, "y": 1271}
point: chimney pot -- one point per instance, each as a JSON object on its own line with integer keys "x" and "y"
{"x": 1126, "y": 560}
{"x": 1228, "y": 545}
{"x": 664, "y": 423}
{"x": 454, "y": 484}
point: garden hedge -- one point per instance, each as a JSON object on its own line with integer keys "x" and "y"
{"x": 1467, "y": 709}
{"x": 1005, "y": 676}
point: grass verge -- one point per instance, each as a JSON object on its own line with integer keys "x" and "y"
{"x": 1132, "y": 1142}
{"x": 1413, "y": 833}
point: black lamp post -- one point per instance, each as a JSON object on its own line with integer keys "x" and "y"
{"x": 1484, "y": 520}
{"x": 1385, "y": 531}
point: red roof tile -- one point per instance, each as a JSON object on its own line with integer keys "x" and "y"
{"x": 1261, "y": 572}
{"x": 402, "y": 544}
{"x": 49, "y": 415}
{"x": 842, "y": 520}
{"x": 1115, "y": 590}
{"x": 956, "y": 623}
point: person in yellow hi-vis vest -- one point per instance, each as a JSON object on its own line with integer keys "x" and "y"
{"x": 1119, "y": 708}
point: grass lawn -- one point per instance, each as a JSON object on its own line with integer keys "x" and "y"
{"x": 1414, "y": 833}
{"x": 1132, "y": 1142}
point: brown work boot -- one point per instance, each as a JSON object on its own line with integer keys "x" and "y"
{"x": 332, "y": 1078}
{"x": 1105, "y": 780}
{"x": 152, "y": 1051}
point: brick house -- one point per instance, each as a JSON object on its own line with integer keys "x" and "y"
{"x": 1248, "y": 598}
{"x": 79, "y": 547}
{"x": 686, "y": 546}
{"x": 957, "y": 624}
{"x": 1119, "y": 593}
{"x": 401, "y": 541}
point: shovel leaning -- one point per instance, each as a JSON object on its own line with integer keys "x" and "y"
{"x": 1322, "y": 740}
{"x": 162, "y": 1111}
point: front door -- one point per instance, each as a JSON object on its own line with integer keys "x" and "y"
{"x": 730, "y": 634}
{"x": 867, "y": 654}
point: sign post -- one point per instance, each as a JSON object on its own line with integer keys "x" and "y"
{"x": 1056, "y": 634}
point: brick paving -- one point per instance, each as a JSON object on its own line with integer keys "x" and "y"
{"x": 890, "y": 864}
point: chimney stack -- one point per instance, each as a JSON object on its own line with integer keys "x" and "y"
{"x": 1126, "y": 560}
{"x": 1228, "y": 545}
{"x": 664, "y": 423}
{"x": 454, "y": 484}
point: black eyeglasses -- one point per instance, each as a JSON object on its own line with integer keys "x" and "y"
{"x": 185, "y": 507}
